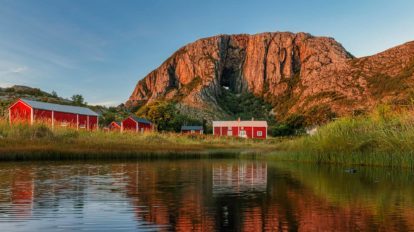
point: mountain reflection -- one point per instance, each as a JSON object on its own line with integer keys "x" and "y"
{"x": 203, "y": 195}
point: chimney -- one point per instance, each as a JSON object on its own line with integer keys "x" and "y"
{"x": 252, "y": 119}
{"x": 238, "y": 119}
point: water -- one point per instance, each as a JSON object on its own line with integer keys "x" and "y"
{"x": 203, "y": 195}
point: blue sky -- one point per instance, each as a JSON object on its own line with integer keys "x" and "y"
{"x": 101, "y": 48}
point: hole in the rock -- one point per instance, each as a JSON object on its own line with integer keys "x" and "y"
{"x": 228, "y": 79}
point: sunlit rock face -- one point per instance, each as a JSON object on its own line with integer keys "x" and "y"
{"x": 296, "y": 73}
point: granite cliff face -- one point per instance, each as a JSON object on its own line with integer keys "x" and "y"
{"x": 295, "y": 73}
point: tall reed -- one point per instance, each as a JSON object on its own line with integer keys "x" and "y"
{"x": 383, "y": 138}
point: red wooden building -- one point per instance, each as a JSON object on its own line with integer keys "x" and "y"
{"x": 192, "y": 130}
{"x": 133, "y": 123}
{"x": 115, "y": 126}
{"x": 243, "y": 129}
{"x": 24, "y": 110}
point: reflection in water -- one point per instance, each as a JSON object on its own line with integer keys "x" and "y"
{"x": 239, "y": 177}
{"x": 202, "y": 195}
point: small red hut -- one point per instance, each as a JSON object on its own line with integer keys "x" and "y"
{"x": 243, "y": 129}
{"x": 24, "y": 110}
{"x": 115, "y": 126}
{"x": 192, "y": 130}
{"x": 133, "y": 123}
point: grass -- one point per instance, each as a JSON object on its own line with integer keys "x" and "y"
{"x": 37, "y": 142}
{"x": 383, "y": 138}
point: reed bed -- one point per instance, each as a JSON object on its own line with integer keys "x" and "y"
{"x": 40, "y": 142}
{"x": 383, "y": 138}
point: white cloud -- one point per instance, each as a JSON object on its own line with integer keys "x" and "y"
{"x": 105, "y": 103}
{"x": 12, "y": 70}
{"x": 18, "y": 70}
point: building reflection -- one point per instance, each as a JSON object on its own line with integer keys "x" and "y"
{"x": 22, "y": 192}
{"x": 239, "y": 178}
{"x": 195, "y": 196}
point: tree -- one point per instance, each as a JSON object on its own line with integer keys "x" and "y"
{"x": 54, "y": 94}
{"x": 166, "y": 116}
{"x": 78, "y": 99}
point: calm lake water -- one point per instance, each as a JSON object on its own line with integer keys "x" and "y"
{"x": 203, "y": 195}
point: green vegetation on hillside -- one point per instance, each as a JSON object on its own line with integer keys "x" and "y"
{"x": 247, "y": 106}
{"x": 166, "y": 116}
{"x": 244, "y": 106}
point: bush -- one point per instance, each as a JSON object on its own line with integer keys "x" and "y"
{"x": 166, "y": 116}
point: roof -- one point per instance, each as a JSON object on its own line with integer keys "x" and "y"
{"x": 141, "y": 120}
{"x": 60, "y": 108}
{"x": 239, "y": 123}
{"x": 117, "y": 123}
{"x": 191, "y": 127}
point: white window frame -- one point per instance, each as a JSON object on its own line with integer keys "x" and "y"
{"x": 229, "y": 131}
{"x": 242, "y": 133}
{"x": 259, "y": 133}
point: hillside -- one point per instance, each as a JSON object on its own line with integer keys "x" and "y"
{"x": 295, "y": 74}
{"x": 11, "y": 94}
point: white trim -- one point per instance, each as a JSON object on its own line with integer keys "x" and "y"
{"x": 20, "y": 100}
{"x": 97, "y": 123}
{"x": 77, "y": 121}
{"x": 122, "y": 126}
{"x": 53, "y": 119}
{"x": 136, "y": 127}
{"x": 31, "y": 115}
{"x": 240, "y": 123}
{"x": 87, "y": 122}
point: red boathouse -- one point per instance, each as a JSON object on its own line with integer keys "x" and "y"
{"x": 243, "y": 129}
{"x": 192, "y": 130}
{"x": 24, "y": 110}
{"x": 114, "y": 126}
{"x": 133, "y": 123}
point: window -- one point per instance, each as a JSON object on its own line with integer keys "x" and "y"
{"x": 242, "y": 133}
{"x": 192, "y": 131}
{"x": 259, "y": 133}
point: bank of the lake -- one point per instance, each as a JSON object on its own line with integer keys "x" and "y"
{"x": 383, "y": 138}
{"x": 40, "y": 142}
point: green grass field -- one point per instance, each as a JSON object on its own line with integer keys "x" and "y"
{"x": 25, "y": 142}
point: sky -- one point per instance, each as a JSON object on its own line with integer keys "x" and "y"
{"x": 100, "y": 48}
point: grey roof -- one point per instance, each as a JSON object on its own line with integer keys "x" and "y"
{"x": 59, "y": 108}
{"x": 141, "y": 120}
{"x": 191, "y": 127}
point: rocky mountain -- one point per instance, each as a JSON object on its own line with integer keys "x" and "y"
{"x": 297, "y": 74}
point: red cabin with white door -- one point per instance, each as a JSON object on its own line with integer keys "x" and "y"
{"x": 242, "y": 129}
{"x": 28, "y": 111}
{"x": 135, "y": 124}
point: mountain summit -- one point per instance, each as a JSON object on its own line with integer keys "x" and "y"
{"x": 294, "y": 73}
